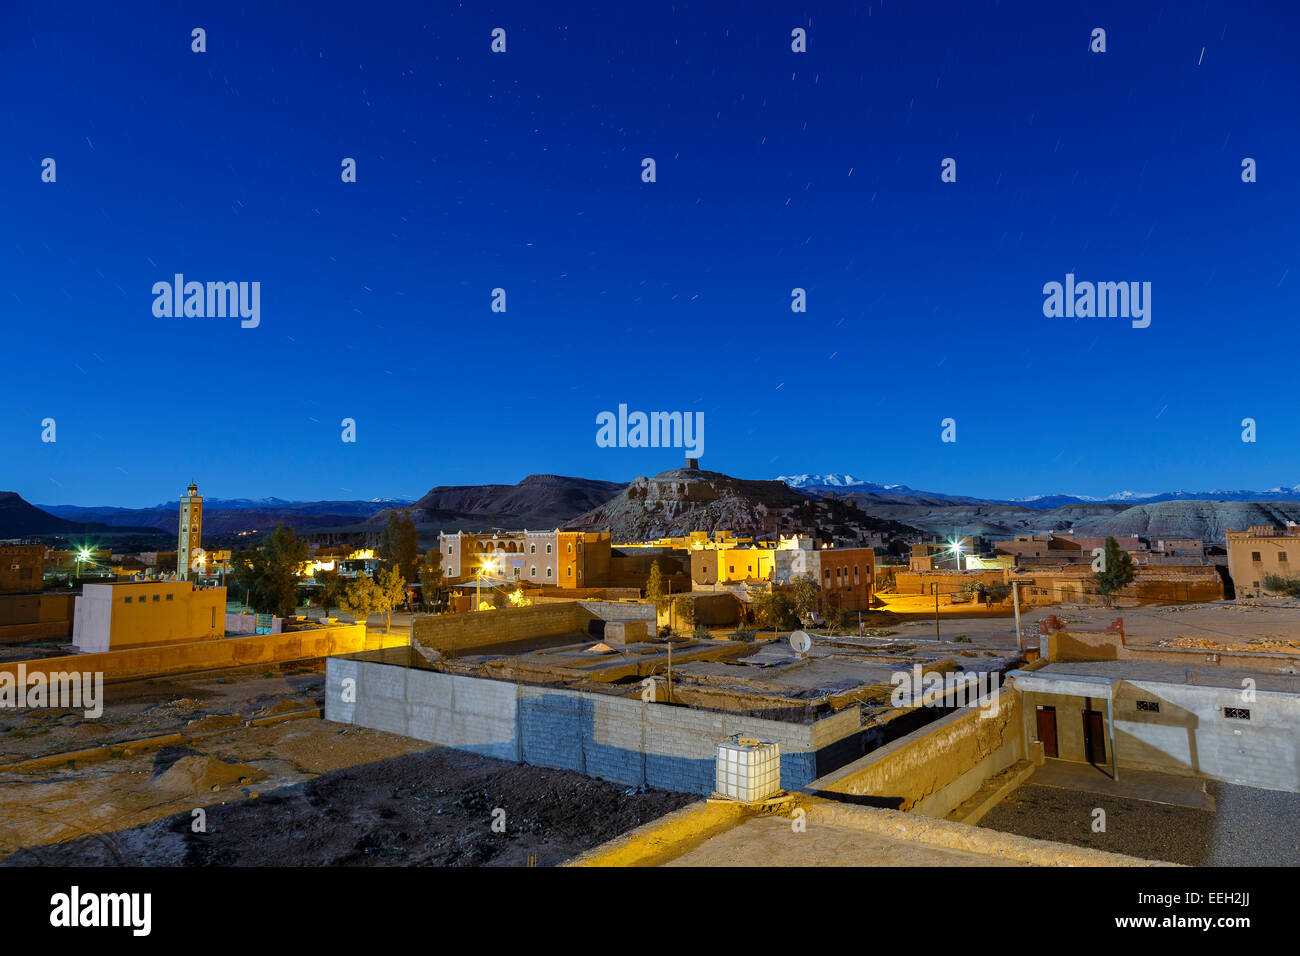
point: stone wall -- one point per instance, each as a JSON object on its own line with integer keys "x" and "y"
{"x": 450, "y": 633}
{"x": 455, "y": 633}
{"x": 1093, "y": 646}
{"x": 935, "y": 768}
{"x": 207, "y": 655}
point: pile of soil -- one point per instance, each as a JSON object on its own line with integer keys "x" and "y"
{"x": 197, "y": 772}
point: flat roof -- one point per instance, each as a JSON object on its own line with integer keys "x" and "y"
{"x": 1207, "y": 675}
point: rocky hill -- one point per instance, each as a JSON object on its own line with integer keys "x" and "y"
{"x": 989, "y": 520}
{"x": 681, "y": 500}
{"x": 1195, "y": 519}
{"x": 539, "y": 501}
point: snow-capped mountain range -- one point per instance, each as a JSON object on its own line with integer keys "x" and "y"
{"x": 838, "y": 482}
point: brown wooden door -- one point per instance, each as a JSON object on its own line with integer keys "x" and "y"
{"x": 1047, "y": 730}
{"x": 1094, "y": 737}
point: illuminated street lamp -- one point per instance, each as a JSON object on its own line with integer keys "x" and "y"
{"x": 956, "y": 550}
{"x": 489, "y": 564}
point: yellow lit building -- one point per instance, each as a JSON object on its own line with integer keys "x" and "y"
{"x": 111, "y": 617}
{"x": 1260, "y": 551}
{"x": 720, "y": 565}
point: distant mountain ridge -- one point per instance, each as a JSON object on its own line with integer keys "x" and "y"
{"x": 683, "y": 499}
{"x": 836, "y": 482}
{"x": 19, "y": 518}
{"x": 222, "y": 516}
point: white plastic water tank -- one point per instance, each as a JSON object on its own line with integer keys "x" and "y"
{"x": 748, "y": 769}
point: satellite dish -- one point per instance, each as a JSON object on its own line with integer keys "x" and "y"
{"x": 801, "y": 642}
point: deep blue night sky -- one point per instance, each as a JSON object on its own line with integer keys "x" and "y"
{"x": 522, "y": 171}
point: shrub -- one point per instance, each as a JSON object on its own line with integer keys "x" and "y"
{"x": 961, "y": 639}
{"x": 1288, "y": 586}
{"x": 741, "y": 634}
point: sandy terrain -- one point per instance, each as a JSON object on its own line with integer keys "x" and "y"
{"x": 298, "y": 792}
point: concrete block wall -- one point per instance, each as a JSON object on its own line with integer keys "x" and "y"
{"x": 625, "y": 740}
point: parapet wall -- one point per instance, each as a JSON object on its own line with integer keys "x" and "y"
{"x": 1066, "y": 645}
{"x": 935, "y": 768}
{"x": 455, "y": 633}
{"x": 205, "y": 655}
{"x": 625, "y": 740}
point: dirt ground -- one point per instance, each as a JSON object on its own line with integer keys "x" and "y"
{"x": 1248, "y": 827}
{"x": 434, "y": 808}
{"x": 298, "y": 792}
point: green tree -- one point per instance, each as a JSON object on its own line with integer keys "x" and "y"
{"x": 269, "y": 574}
{"x": 361, "y": 599}
{"x": 1116, "y": 571}
{"x": 329, "y": 588}
{"x": 774, "y": 612}
{"x": 805, "y": 593}
{"x": 431, "y": 577}
{"x": 390, "y": 592}
{"x": 684, "y": 611}
{"x": 654, "y": 588}
{"x": 399, "y": 544}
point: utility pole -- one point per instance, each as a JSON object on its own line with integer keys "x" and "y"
{"x": 670, "y": 668}
{"x": 1015, "y": 597}
{"x": 936, "y": 611}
